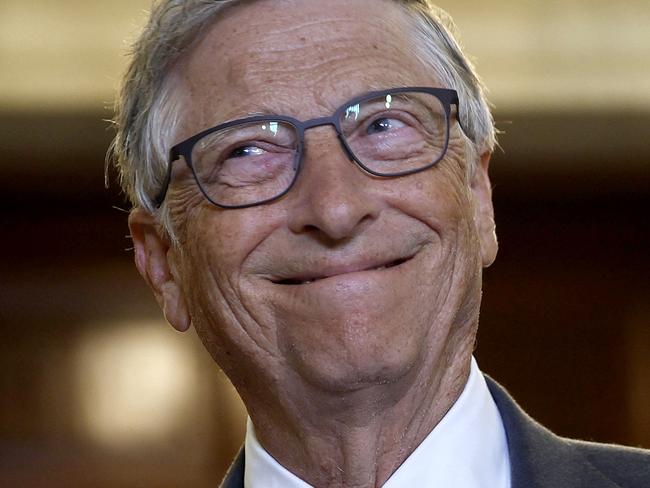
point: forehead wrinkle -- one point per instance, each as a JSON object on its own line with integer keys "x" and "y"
{"x": 332, "y": 31}
{"x": 279, "y": 36}
{"x": 261, "y": 83}
{"x": 316, "y": 63}
{"x": 313, "y": 57}
{"x": 279, "y": 17}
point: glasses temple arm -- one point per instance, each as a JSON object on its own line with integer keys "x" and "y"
{"x": 173, "y": 156}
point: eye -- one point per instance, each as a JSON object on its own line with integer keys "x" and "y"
{"x": 243, "y": 151}
{"x": 384, "y": 125}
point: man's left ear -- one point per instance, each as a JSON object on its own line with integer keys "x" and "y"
{"x": 483, "y": 210}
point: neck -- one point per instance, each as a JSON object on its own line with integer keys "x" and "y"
{"x": 360, "y": 438}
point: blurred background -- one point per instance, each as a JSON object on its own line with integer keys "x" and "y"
{"x": 96, "y": 391}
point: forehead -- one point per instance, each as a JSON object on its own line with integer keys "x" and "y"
{"x": 298, "y": 57}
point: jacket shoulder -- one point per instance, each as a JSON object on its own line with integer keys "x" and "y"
{"x": 626, "y": 466}
{"x": 541, "y": 459}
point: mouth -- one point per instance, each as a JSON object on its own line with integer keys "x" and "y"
{"x": 308, "y": 279}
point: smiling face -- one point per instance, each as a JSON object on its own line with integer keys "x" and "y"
{"x": 349, "y": 279}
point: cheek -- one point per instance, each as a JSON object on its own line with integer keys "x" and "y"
{"x": 184, "y": 200}
{"x": 221, "y": 241}
{"x": 216, "y": 247}
{"x": 438, "y": 197}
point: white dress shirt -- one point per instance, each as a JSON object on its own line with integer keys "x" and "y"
{"x": 467, "y": 449}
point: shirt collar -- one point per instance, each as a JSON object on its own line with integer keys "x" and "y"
{"x": 467, "y": 449}
{"x": 262, "y": 470}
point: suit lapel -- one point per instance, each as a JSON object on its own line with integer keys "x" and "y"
{"x": 539, "y": 458}
{"x": 235, "y": 476}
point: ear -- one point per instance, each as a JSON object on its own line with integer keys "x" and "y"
{"x": 483, "y": 210}
{"x": 155, "y": 260}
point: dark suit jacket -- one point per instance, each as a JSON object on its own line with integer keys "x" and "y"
{"x": 540, "y": 459}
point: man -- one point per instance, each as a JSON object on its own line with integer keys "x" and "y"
{"x": 311, "y": 193}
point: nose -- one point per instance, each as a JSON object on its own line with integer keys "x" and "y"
{"x": 332, "y": 197}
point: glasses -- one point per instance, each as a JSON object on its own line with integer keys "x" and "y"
{"x": 256, "y": 160}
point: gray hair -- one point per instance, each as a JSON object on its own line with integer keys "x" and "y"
{"x": 146, "y": 113}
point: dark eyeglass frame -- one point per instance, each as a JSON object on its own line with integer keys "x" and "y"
{"x": 446, "y": 96}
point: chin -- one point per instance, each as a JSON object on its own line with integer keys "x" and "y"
{"x": 339, "y": 367}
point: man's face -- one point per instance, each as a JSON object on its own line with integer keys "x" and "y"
{"x": 347, "y": 280}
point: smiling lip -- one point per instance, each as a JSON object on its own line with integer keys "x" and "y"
{"x": 336, "y": 271}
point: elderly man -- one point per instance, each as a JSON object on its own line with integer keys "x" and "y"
{"x": 311, "y": 193}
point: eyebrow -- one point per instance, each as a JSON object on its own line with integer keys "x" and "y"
{"x": 265, "y": 109}
{"x": 236, "y": 115}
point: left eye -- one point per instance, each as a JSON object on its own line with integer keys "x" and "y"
{"x": 384, "y": 125}
{"x": 244, "y": 151}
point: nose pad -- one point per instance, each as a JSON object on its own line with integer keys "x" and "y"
{"x": 298, "y": 157}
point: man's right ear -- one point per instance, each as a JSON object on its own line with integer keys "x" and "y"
{"x": 155, "y": 261}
